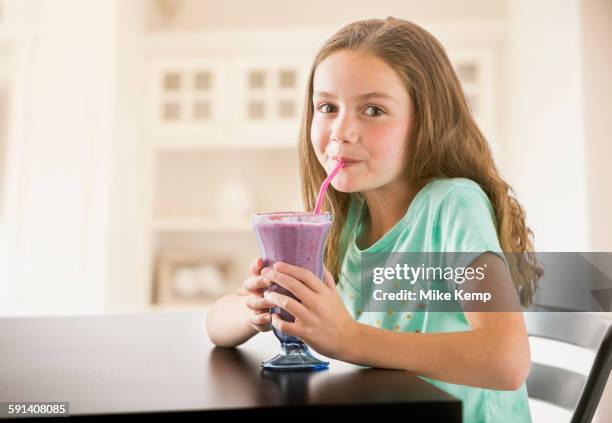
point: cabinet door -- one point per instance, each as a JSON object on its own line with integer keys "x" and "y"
{"x": 187, "y": 99}
{"x": 272, "y": 91}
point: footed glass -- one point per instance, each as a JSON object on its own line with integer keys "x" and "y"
{"x": 297, "y": 238}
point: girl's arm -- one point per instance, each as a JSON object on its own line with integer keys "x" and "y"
{"x": 236, "y": 317}
{"x": 227, "y": 322}
{"x": 494, "y": 354}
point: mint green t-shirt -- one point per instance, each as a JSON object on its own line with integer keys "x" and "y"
{"x": 446, "y": 215}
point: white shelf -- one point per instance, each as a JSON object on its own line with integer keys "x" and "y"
{"x": 180, "y": 139}
{"x": 236, "y": 225}
{"x": 195, "y": 145}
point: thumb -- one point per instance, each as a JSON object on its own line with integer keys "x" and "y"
{"x": 328, "y": 279}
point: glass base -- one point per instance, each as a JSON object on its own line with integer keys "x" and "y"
{"x": 294, "y": 356}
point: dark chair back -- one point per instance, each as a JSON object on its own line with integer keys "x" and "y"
{"x": 566, "y": 388}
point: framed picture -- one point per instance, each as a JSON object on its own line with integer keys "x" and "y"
{"x": 187, "y": 278}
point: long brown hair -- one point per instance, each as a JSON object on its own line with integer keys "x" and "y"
{"x": 445, "y": 141}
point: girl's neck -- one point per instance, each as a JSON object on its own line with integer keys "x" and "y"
{"x": 386, "y": 206}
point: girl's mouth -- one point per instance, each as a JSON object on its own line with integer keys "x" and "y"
{"x": 351, "y": 163}
{"x": 348, "y": 161}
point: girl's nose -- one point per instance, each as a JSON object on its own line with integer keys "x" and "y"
{"x": 343, "y": 132}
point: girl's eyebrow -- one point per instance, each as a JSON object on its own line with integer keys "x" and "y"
{"x": 361, "y": 97}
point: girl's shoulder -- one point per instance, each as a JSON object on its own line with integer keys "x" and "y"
{"x": 462, "y": 217}
{"x": 444, "y": 190}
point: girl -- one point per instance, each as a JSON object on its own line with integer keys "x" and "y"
{"x": 419, "y": 177}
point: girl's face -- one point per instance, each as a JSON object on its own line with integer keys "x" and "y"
{"x": 361, "y": 105}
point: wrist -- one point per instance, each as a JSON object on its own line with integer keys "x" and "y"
{"x": 350, "y": 343}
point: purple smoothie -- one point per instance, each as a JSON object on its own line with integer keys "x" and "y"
{"x": 296, "y": 238}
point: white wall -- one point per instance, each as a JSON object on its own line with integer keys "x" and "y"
{"x": 5, "y": 65}
{"x": 129, "y": 275}
{"x": 57, "y": 181}
{"x": 597, "y": 79}
{"x": 544, "y": 145}
{"x": 271, "y": 14}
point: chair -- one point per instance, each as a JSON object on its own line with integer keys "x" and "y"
{"x": 565, "y": 388}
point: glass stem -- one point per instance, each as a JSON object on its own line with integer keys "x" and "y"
{"x": 294, "y": 348}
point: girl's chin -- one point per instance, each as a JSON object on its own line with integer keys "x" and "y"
{"x": 344, "y": 186}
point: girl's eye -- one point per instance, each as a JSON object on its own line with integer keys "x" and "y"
{"x": 372, "y": 111}
{"x": 377, "y": 111}
{"x": 325, "y": 108}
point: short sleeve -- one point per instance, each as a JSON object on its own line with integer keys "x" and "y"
{"x": 465, "y": 223}
{"x": 466, "y": 228}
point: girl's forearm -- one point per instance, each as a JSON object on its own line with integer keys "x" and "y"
{"x": 476, "y": 358}
{"x": 227, "y": 322}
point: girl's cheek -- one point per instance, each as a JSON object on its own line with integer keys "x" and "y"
{"x": 386, "y": 145}
{"x": 385, "y": 132}
{"x": 317, "y": 135}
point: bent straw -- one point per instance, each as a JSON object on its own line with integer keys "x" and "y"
{"x": 324, "y": 186}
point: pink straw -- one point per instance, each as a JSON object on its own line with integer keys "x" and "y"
{"x": 324, "y": 186}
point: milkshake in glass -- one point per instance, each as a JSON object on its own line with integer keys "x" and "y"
{"x": 297, "y": 238}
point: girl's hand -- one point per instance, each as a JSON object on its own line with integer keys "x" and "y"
{"x": 321, "y": 320}
{"x": 255, "y": 286}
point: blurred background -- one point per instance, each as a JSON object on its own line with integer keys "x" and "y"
{"x": 136, "y": 137}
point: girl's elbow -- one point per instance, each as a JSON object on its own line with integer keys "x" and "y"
{"x": 218, "y": 340}
{"x": 213, "y": 333}
{"x": 514, "y": 372}
{"x": 516, "y": 376}
{"x": 514, "y": 363}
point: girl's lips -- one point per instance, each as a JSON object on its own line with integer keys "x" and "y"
{"x": 346, "y": 160}
{"x": 347, "y": 163}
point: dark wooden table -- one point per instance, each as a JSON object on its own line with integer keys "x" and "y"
{"x": 163, "y": 362}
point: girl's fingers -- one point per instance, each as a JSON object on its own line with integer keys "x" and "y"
{"x": 286, "y": 327}
{"x": 288, "y": 304}
{"x": 261, "y": 319}
{"x": 258, "y": 303}
{"x": 306, "y": 276}
{"x": 328, "y": 279}
{"x": 296, "y": 287}
{"x": 256, "y": 266}
{"x": 256, "y": 283}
